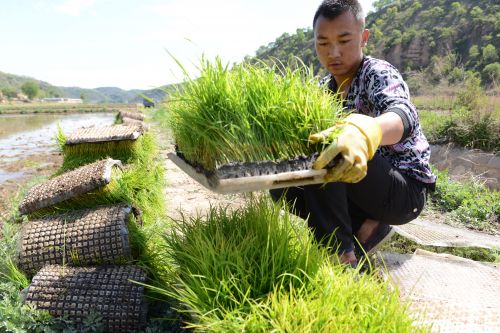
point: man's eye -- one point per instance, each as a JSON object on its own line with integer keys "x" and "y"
{"x": 322, "y": 44}
{"x": 344, "y": 41}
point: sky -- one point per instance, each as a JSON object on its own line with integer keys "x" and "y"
{"x": 132, "y": 44}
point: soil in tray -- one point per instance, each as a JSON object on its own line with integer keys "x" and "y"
{"x": 259, "y": 168}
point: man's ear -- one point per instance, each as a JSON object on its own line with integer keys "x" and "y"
{"x": 364, "y": 37}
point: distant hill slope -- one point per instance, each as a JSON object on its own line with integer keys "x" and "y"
{"x": 97, "y": 95}
{"x": 410, "y": 33}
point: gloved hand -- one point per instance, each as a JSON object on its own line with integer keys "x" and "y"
{"x": 357, "y": 140}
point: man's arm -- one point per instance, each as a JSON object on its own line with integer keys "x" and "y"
{"x": 392, "y": 128}
{"x": 389, "y": 95}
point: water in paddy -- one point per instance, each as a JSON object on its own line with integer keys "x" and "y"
{"x": 34, "y": 134}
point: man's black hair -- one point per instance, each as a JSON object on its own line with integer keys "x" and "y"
{"x": 330, "y": 9}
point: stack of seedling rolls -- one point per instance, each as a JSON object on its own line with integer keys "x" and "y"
{"x": 82, "y": 242}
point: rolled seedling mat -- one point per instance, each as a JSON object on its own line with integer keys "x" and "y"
{"x": 254, "y": 176}
{"x": 79, "y": 238}
{"x": 68, "y": 185}
{"x": 75, "y": 292}
{"x": 132, "y": 115}
{"x": 436, "y": 234}
{"x": 451, "y": 293}
{"x": 98, "y": 134}
{"x": 134, "y": 122}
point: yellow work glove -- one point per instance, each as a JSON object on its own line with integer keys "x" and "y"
{"x": 357, "y": 140}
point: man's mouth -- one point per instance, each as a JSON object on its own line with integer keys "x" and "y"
{"x": 334, "y": 64}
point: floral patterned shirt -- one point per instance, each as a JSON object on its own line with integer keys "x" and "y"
{"x": 377, "y": 88}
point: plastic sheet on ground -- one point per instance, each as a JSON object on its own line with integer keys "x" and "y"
{"x": 452, "y": 294}
{"x": 437, "y": 234}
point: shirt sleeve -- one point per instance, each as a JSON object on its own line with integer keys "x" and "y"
{"x": 388, "y": 92}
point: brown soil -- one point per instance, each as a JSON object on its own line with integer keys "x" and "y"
{"x": 184, "y": 196}
{"x": 31, "y": 167}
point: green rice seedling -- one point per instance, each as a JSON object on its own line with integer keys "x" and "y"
{"x": 230, "y": 258}
{"x": 332, "y": 300}
{"x": 128, "y": 151}
{"x": 339, "y": 300}
{"x": 255, "y": 270}
{"x": 249, "y": 113}
{"x": 400, "y": 244}
{"x": 9, "y": 272}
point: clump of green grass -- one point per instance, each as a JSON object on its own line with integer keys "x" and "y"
{"x": 470, "y": 203}
{"x": 249, "y": 113}
{"x": 255, "y": 270}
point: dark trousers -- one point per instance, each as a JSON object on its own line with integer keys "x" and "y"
{"x": 335, "y": 211}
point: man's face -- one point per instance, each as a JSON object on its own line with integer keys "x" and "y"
{"x": 339, "y": 44}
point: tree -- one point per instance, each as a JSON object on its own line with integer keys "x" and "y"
{"x": 489, "y": 54}
{"x": 474, "y": 52}
{"x": 30, "y": 89}
{"x": 491, "y": 72}
{"x": 9, "y": 92}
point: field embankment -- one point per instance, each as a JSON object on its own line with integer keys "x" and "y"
{"x": 62, "y": 108}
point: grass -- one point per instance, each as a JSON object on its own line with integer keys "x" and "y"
{"x": 469, "y": 203}
{"x": 465, "y": 128}
{"x": 255, "y": 270}
{"x": 248, "y": 113}
{"x": 9, "y": 272}
{"x": 400, "y": 244}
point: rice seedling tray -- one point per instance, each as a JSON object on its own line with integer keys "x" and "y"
{"x": 134, "y": 115}
{"x": 254, "y": 176}
{"x": 100, "y": 134}
{"x": 68, "y": 185}
{"x": 115, "y": 293}
{"x": 79, "y": 238}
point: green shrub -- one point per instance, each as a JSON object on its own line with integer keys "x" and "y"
{"x": 470, "y": 95}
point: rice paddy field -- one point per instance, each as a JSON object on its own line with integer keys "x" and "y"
{"x": 240, "y": 264}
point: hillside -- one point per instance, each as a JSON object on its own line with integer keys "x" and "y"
{"x": 410, "y": 33}
{"x": 98, "y": 95}
{"x": 415, "y": 35}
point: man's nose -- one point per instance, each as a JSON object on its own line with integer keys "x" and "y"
{"x": 334, "y": 51}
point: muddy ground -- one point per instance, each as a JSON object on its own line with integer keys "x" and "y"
{"x": 28, "y": 168}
